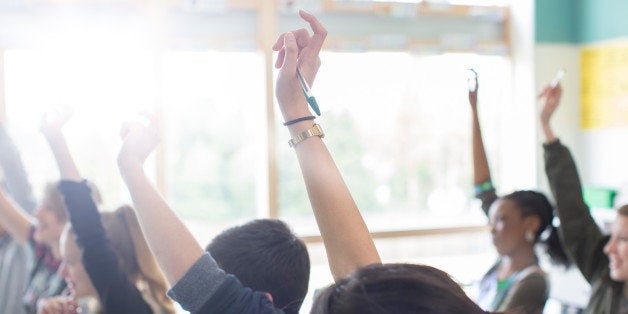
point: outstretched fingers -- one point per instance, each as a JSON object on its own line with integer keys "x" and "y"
{"x": 320, "y": 33}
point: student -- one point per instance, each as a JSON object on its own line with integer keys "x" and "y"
{"x": 42, "y": 237}
{"x": 113, "y": 258}
{"x": 363, "y": 284}
{"x": 600, "y": 258}
{"x": 518, "y": 221}
{"x": 266, "y": 256}
{"x": 133, "y": 284}
{"x": 15, "y": 258}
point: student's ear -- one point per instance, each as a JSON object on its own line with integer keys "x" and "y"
{"x": 269, "y": 296}
{"x": 533, "y": 223}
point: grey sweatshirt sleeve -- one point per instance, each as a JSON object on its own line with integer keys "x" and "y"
{"x": 198, "y": 285}
{"x": 206, "y": 289}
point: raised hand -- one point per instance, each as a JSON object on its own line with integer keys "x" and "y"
{"x": 51, "y": 126}
{"x": 54, "y": 119}
{"x": 347, "y": 240}
{"x": 140, "y": 140}
{"x": 552, "y": 99}
{"x": 481, "y": 170}
{"x": 297, "y": 49}
{"x": 473, "y": 89}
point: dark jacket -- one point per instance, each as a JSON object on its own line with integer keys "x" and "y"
{"x": 117, "y": 294}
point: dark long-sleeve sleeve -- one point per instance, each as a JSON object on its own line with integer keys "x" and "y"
{"x": 116, "y": 292}
{"x": 581, "y": 236}
{"x": 15, "y": 176}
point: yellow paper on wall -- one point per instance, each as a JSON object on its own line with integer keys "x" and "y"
{"x": 604, "y": 91}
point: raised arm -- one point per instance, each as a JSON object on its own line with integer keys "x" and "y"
{"x": 51, "y": 127}
{"x": 15, "y": 220}
{"x": 171, "y": 242}
{"x": 581, "y": 236}
{"x": 198, "y": 283}
{"x": 345, "y": 235}
{"x": 15, "y": 216}
{"x": 116, "y": 291}
{"x": 15, "y": 176}
{"x": 481, "y": 173}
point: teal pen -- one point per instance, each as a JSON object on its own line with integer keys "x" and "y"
{"x": 308, "y": 94}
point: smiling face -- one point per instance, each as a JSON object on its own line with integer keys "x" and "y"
{"x": 72, "y": 269}
{"x": 617, "y": 249}
{"x": 508, "y": 227}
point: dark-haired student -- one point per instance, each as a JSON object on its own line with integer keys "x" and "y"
{"x": 518, "y": 221}
{"x": 602, "y": 259}
{"x": 265, "y": 255}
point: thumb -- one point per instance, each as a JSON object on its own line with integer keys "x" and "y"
{"x": 292, "y": 52}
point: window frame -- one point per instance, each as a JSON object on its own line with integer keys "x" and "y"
{"x": 269, "y": 20}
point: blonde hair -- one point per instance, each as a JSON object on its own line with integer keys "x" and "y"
{"x": 53, "y": 201}
{"x": 135, "y": 257}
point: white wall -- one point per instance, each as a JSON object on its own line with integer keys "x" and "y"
{"x": 518, "y": 139}
{"x": 600, "y": 154}
{"x": 548, "y": 58}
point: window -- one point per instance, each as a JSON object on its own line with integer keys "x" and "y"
{"x": 398, "y": 126}
{"x": 103, "y": 88}
{"x": 215, "y": 138}
{"x": 393, "y": 98}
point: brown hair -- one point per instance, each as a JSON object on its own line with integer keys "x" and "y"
{"x": 135, "y": 257}
{"x": 53, "y": 201}
{"x": 623, "y": 210}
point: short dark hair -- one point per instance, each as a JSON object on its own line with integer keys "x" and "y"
{"x": 395, "y": 288}
{"x": 266, "y": 256}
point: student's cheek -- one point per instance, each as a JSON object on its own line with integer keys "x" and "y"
{"x": 622, "y": 250}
